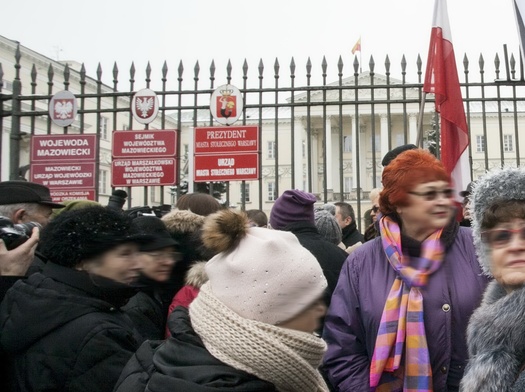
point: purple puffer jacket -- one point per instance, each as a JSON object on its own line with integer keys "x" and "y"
{"x": 450, "y": 297}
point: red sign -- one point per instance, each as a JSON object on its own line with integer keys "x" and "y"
{"x": 226, "y": 167}
{"x": 143, "y": 172}
{"x": 53, "y": 148}
{"x": 213, "y": 140}
{"x": 151, "y": 144}
{"x": 64, "y": 175}
{"x": 63, "y": 195}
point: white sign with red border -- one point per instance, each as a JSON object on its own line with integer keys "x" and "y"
{"x": 145, "y": 106}
{"x": 226, "y": 104}
{"x": 63, "y": 108}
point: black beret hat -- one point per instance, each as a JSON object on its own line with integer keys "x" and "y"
{"x": 392, "y": 154}
{"x": 14, "y": 192}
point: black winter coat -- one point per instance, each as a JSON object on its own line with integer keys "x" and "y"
{"x": 182, "y": 363}
{"x": 63, "y": 331}
{"x": 330, "y": 256}
{"x": 351, "y": 235}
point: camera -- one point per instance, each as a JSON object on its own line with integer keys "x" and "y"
{"x": 15, "y": 235}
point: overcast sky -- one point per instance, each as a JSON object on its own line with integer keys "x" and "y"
{"x": 106, "y": 31}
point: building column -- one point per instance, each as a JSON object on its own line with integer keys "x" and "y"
{"x": 315, "y": 160}
{"x": 329, "y": 157}
{"x": 299, "y": 139}
{"x": 412, "y": 128}
{"x": 384, "y": 135}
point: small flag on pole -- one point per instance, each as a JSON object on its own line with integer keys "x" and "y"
{"x": 357, "y": 46}
{"x": 442, "y": 79}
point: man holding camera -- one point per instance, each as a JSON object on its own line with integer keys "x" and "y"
{"x": 28, "y": 206}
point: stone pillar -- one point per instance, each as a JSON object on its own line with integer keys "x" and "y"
{"x": 412, "y": 128}
{"x": 384, "y": 135}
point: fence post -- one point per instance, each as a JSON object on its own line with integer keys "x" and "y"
{"x": 14, "y": 145}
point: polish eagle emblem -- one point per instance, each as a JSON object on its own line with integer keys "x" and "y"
{"x": 145, "y": 105}
{"x": 63, "y": 109}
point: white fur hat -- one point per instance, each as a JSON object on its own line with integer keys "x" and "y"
{"x": 495, "y": 186}
{"x": 261, "y": 274}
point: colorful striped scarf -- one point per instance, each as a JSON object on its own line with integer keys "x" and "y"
{"x": 401, "y": 333}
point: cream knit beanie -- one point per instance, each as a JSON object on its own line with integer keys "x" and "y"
{"x": 261, "y": 274}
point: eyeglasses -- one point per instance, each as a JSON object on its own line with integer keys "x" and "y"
{"x": 498, "y": 238}
{"x": 177, "y": 256}
{"x": 433, "y": 194}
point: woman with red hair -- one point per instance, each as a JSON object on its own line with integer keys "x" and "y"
{"x": 398, "y": 317}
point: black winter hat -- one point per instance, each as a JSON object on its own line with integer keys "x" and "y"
{"x": 392, "y": 154}
{"x": 78, "y": 235}
{"x": 151, "y": 225}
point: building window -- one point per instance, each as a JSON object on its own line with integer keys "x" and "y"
{"x": 347, "y": 143}
{"x": 103, "y": 128}
{"x": 480, "y": 143}
{"x": 102, "y": 182}
{"x": 271, "y": 191}
{"x": 348, "y": 184}
{"x": 271, "y": 150}
{"x": 153, "y": 194}
{"x": 246, "y": 194}
{"x": 508, "y": 144}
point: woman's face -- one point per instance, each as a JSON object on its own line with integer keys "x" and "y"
{"x": 121, "y": 264}
{"x": 507, "y": 251}
{"x": 429, "y": 209}
{"x": 309, "y": 320}
{"x": 157, "y": 264}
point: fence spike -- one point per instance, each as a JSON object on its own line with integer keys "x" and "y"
{"x": 115, "y": 72}
{"x": 132, "y": 71}
{"x": 99, "y": 72}
{"x": 308, "y": 67}
{"x": 82, "y": 73}
{"x": 340, "y": 66}
{"x": 164, "y": 70}
{"x": 148, "y": 71}
{"x": 292, "y": 67}
{"x": 212, "y": 69}
{"x": 324, "y": 66}
{"x": 356, "y": 65}
{"x": 465, "y": 62}
{"x": 276, "y": 67}
{"x": 403, "y": 65}
{"x": 497, "y": 64}
{"x": 481, "y": 63}
{"x": 196, "y": 70}
{"x": 512, "y": 65}
{"x": 371, "y": 64}
{"x": 387, "y": 65}
{"x": 419, "y": 64}
{"x": 245, "y": 68}
{"x": 50, "y": 73}
{"x": 33, "y": 74}
{"x": 261, "y": 68}
{"x": 180, "y": 70}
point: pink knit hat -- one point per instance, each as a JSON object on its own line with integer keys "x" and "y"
{"x": 292, "y": 206}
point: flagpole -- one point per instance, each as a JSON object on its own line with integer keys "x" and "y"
{"x": 419, "y": 140}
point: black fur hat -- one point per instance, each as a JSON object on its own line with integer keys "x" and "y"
{"x": 78, "y": 235}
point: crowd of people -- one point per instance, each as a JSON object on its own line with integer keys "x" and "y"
{"x": 206, "y": 297}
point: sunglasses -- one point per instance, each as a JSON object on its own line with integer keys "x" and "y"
{"x": 375, "y": 208}
{"x": 498, "y": 238}
{"x": 433, "y": 194}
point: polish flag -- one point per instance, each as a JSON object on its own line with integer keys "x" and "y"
{"x": 442, "y": 80}
{"x": 519, "y": 11}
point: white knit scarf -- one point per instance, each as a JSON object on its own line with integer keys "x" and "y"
{"x": 287, "y": 358}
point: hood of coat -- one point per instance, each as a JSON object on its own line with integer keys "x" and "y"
{"x": 179, "y": 222}
{"x": 183, "y": 363}
{"x": 35, "y": 307}
{"x": 196, "y": 275}
{"x": 496, "y": 341}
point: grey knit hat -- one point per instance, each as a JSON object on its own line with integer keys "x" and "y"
{"x": 328, "y": 226}
{"x": 497, "y": 185}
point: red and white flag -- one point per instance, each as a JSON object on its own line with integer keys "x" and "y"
{"x": 442, "y": 79}
{"x": 519, "y": 11}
